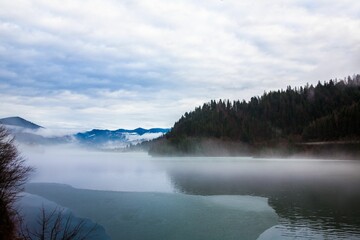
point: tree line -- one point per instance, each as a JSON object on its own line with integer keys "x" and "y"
{"x": 328, "y": 111}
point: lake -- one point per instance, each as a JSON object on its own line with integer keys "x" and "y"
{"x": 134, "y": 196}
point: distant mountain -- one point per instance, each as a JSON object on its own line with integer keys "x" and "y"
{"x": 111, "y": 139}
{"x": 31, "y": 133}
{"x": 19, "y": 122}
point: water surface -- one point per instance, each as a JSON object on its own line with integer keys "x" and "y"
{"x": 313, "y": 199}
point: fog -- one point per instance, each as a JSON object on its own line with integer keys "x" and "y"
{"x": 98, "y": 170}
{"x": 139, "y": 172}
{"x": 319, "y": 194}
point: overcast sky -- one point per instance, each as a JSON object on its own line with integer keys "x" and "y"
{"x": 126, "y": 64}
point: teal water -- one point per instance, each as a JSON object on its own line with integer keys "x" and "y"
{"x": 314, "y": 199}
{"x": 30, "y": 209}
{"x": 138, "y": 215}
{"x": 134, "y": 196}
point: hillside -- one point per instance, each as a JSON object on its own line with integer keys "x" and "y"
{"x": 329, "y": 111}
{"x": 117, "y": 139}
{"x": 101, "y": 139}
{"x": 19, "y": 122}
{"x": 30, "y": 133}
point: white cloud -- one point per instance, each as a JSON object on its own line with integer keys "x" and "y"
{"x": 143, "y": 63}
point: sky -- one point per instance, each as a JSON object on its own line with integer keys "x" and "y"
{"x": 71, "y": 64}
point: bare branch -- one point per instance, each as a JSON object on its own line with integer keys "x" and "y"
{"x": 13, "y": 175}
{"x": 57, "y": 225}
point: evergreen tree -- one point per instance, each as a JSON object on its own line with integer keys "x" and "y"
{"x": 328, "y": 111}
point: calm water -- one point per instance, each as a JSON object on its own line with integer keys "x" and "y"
{"x": 313, "y": 199}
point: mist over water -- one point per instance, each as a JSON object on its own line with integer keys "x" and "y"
{"x": 139, "y": 172}
{"x": 313, "y": 198}
{"x": 96, "y": 170}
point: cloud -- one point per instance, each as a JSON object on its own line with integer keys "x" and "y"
{"x": 137, "y": 63}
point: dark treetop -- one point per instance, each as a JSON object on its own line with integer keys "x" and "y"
{"x": 329, "y": 111}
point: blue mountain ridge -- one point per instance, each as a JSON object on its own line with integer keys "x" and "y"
{"x": 100, "y": 136}
{"x": 95, "y": 137}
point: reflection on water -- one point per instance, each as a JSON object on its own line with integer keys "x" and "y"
{"x": 168, "y": 216}
{"x": 314, "y": 199}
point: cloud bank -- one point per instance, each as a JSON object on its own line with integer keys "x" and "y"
{"x": 111, "y": 64}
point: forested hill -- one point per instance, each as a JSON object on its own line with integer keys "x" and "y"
{"x": 329, "y": 111}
